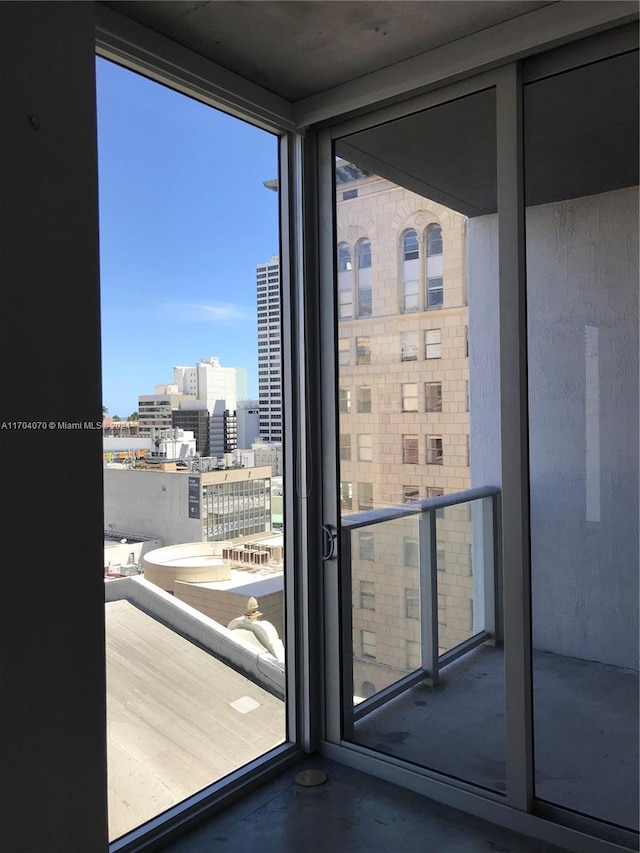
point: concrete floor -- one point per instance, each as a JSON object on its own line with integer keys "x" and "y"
{"x": 586, "y": 730}
{"x": 349, "y": 812}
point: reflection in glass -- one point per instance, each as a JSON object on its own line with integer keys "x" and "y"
{"x": 581, "y": 176}
{"x": 421, "y": 597}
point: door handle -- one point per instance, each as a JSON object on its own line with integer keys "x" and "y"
{"x": 329, "y": 542}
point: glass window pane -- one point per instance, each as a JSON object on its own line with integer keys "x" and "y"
{"x": 192, "y": 464}
{"x": 582, "y": 307}
{"x": 412, "y": 357}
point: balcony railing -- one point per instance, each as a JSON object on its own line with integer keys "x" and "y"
{"x": 482, "y": 536}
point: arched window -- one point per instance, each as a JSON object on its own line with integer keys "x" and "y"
{"x": 344, "y": 258}
{"x": 345, "y": 282}
{"x": 435, "y": 291}
{"x": 368, "y": 689}
{"x": 363, "y": 250}
{"x": 410, "y": 246}
{"x": 410, "y": 274}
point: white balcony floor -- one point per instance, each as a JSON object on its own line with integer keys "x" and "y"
{"x": 586, "y": 730}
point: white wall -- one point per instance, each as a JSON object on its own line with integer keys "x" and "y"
{"x": 582, "y": 269}
{"x": 150, "y": 503}
{"x": 248, "y": 420}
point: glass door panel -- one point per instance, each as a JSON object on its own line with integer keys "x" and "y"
{"x": 581, "y": 176}
{"x": 418, "y": 400}
{"x": 194, "y": 550}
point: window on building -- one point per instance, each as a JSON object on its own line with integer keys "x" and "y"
{"x": 433, "y": 343}
{"x": 347, "y": 194}
{"x": 345, "y": 282}
{"x": 412, "y": 603}
{"x": 433, "y": 396}
{"x": 367, "y": 595}
{"x": 410, "y": 249}
{"x": 364, "y": 399}
{"x": 368, "y": 639}
{"x": 344, "y": 401}
{"x": 345, "y": 446}
{"x": 366, "y": 545}
{"x": 414, "y": 655}
{"x": 434, "y": 450}
{"x": 410, "y": 272}
{"x": 365, "y": 496}
{"x": 346, "y": 495}
{"x": 440, "y": 557}
{"x": 410, "y": 494}
{"x": 363, "y": 350}
{"x": 435, "y": 291}
{"x": 434, "y": 241}
{"x": 409, "y": 397}
{"x": 364, "y": 278}
{"x": 365, "y": 448}
{"x": 344, "y": 351}
{"x": 409, "y": 346}
{"x": 411, "y": 552}
{"x": 467, "y": 394}
{"x": 410, "y": 449}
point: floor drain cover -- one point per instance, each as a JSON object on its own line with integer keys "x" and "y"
{"x": 310, "y": 778}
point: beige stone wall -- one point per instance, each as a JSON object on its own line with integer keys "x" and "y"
{"x": 382, "y": 213}
{"x": 225, "y": 605}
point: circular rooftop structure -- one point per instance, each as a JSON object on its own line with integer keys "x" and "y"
{"x": 193, "y": 562}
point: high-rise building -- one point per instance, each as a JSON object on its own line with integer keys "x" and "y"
{"x": 269, "y": 350}
{"x": 208, "y": 381}
{"x": 403, "y": 411}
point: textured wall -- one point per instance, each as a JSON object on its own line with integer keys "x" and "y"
{"x": 582, "y": 270}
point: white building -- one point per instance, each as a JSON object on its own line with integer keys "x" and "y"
{"x": 208, "y": 381}
{"x": 217, "y": 388}
{"x": 248, "y": 422}
{"x": 269, "y": 350}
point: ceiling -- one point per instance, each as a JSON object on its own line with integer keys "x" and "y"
{"x": 298, "y": 48}
{"x": 580, "y": 138}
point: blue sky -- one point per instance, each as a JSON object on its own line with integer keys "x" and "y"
{"x": 184, "y": 219}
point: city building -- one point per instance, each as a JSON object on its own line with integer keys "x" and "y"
{"x": 156, "y": 410}
{"x": 209, "y": 382}
{"x": 269, "y": 350}
{"x": 403, "y": 376}
{"x": 119, "y": 429}
{"x": 248, "y": 422}
{"x": 183, "y": 506}
{"x": 193, "y": 416}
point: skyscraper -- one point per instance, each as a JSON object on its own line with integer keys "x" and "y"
{"x": 269, "y": 350}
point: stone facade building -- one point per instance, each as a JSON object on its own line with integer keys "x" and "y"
{"x": 403, "y": 413}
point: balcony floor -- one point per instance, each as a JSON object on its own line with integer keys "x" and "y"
{"x": 350, "y": 811}
{"x": 586, "y": 730}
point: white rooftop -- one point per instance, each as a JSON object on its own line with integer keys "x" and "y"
{"x": 178, "y": 718}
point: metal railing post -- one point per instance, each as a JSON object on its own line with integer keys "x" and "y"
{"x": 489, "y": 567}
{"x": 346, "y": 630}
{"x": 428, "y": 595}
